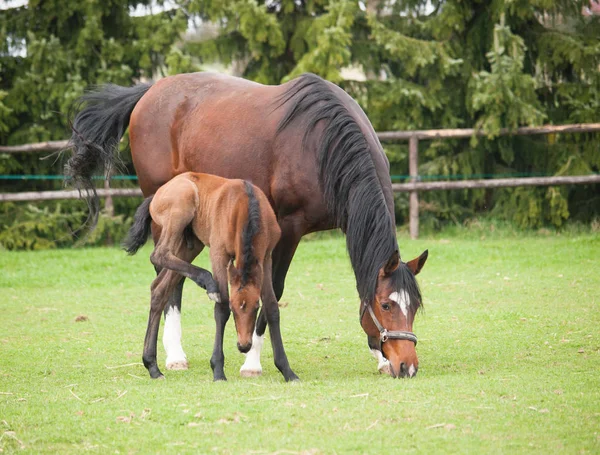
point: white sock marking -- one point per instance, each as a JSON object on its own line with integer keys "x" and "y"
{"x": 383, "y": 364}
{"x": 401, "y": 299}
{"x": 172, "y": 337}
{"x": 252, "y": 366}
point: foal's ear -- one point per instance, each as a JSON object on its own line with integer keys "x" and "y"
{"x": 233, "y": 271}
{"x": 392, "y": 263}
{"x": 417, "y": 264}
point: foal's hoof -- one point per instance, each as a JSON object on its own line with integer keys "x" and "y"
{"x": 293, "y": 379}
{"x": 215, "y": 297}
{"x": 155, "y": 373}
{"x": 178, "y": 365}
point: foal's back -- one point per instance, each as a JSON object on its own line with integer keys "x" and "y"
{"x": 216, "y": 208}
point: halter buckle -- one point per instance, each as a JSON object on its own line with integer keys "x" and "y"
{"x": 383, "y": 336}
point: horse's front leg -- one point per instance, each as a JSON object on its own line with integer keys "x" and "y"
{"x": 222, "y": 312}
{"x": 161, "y": 288}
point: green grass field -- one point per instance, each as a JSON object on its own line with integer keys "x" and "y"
{"x": 509, "y": 350}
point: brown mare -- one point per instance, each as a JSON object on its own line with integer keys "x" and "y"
{"x": 306, "y": 144}
{"x": 235, "y": 220}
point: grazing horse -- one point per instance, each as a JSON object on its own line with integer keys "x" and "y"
{"x": 306, "y": 144}
{"x": 234, "y": 219}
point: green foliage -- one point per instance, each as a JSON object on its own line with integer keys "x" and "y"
{"x": 32, "y": 227}
{"x": 50, "y": 52}
{"x": 417, "y": 64}
{"x": 505, "y": 97}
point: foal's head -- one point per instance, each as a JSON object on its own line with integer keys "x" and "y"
{"x": 388, "y": 320}
{"x": 246, "y": 273}
{"x": 244, "y": 302}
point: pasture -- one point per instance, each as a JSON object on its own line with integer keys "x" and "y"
{"x": 509, "y": 351}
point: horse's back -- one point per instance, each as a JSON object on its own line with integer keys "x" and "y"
{"x": 201, "y": 122}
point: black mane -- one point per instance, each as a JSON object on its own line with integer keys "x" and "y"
{"x": 251, "y": 228}
{"x": 347, "y": 176}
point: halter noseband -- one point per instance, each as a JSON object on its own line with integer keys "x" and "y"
{"x": 384, "y": 334}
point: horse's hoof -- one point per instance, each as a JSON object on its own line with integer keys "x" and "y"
{"x": 215, "y": 297}
{"x": 293, "y": 379}
{"x": 178, "y": 365}
{"x": 250, "y": 373}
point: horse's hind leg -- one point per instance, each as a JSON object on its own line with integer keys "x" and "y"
{"x": 161, "y": 288}
{"x": 176, "y": 358}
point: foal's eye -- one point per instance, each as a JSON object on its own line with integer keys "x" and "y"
{"x": 385, "y": 306}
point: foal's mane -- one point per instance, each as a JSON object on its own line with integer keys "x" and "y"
{"x": 251, "y": 228}
{"x": 347, "y": 176}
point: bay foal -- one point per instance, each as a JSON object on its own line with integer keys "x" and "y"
{"x": 233, "y": 218}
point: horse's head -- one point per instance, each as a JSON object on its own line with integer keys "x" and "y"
{"x": 388, "y": 320}
{"x": 244, "y": 303}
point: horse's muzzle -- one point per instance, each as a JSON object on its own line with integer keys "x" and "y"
{"x": 404, "y": 371}
{"x": 244, "y": 348}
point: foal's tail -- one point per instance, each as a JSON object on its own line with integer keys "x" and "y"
{"x": 97, "y": 130}
{"x": 140, "y": 230}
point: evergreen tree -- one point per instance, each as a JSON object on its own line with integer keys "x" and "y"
{"x": 442, "y": 64}
{"x": 428, "y": 64}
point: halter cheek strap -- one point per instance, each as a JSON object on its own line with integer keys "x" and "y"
{"x": 384, "y": 334}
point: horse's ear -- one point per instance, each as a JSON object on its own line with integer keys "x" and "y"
{"x": 417, "y": 264}
{"x": 392, "y": 263}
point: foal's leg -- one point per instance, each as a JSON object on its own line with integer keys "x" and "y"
{"x": 219, "y": 263}
{"x": 161, "y": 288}
{"x": 271, "y": 308}
{"x": 163, "y": 257}
{"x": 282, "y": 257}
{"x": 176, "y": 358}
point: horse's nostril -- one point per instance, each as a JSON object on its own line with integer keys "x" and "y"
{"x": 403, "y": 370}
{"x": 244, "y": 348}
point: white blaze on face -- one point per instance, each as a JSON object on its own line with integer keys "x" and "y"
{"x": 402, "y": 299}
{"x": 172, "y": 339}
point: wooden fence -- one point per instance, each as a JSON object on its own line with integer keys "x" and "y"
{"x": 413, "y": 187}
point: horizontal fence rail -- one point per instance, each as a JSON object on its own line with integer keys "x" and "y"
{"x": 73, "y": 194}
{"x": 494, "y": 183}
{"x": 463, "y": 133}
{"x": 413, "y": 187}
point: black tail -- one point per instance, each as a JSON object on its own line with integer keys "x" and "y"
{"x": 97, "y": 130}
{"x": 140, "y": 230}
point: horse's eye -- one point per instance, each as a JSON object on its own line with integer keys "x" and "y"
{"x": 385, "y": 306}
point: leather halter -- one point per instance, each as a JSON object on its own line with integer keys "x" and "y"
{"x": 384, "y": 334}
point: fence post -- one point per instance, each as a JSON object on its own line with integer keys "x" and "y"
{"x": 108, "y": 202}
{"x": 413, "y": 170}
